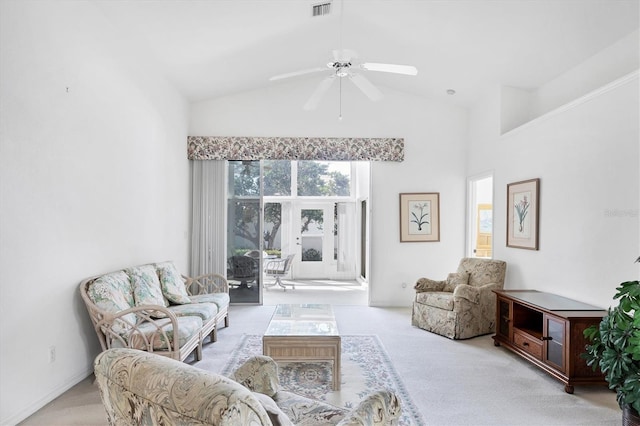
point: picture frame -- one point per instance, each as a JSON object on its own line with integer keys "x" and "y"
{"x": 523, "y": 208}
{"x": 419, "y": 217}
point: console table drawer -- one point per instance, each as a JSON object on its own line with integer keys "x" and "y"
{"x": 532, "y": 346}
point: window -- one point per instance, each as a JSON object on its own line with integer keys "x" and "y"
{"x": 324, "y": 179}
{"x": 284, "y": 178}
{"x": 277, "y": 177}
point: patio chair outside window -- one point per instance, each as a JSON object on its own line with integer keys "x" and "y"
{"x": 244, "y": 269}
{"x": 277, "y": 268}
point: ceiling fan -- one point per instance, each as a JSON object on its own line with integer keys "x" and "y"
{"x": 343, "y": 66}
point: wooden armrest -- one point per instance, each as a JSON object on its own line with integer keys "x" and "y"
{"x": 206, "y": 284}
{"x": 118, "y": 328}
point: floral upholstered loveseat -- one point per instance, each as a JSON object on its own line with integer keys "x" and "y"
{"x": 144, "y": 389}
{"x": 154, "y": 308}
{"x": 463, "y": 305}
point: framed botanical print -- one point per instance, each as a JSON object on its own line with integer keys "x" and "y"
{"x": 420, "y": 217}
{"x": 523, "y": 207}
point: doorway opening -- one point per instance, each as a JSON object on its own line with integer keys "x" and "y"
{"x": 310, "y": 210}
{"x": 480, "y": 216}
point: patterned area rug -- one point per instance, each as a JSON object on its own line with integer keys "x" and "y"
{"x": 365, "y": 368}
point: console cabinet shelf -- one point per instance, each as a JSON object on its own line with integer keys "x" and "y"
{"x": 547, "y": 330}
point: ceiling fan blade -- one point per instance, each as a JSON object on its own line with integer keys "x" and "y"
{"x": 297, "y": 73}
{"x": 344, "y": 55}
{"x": 393, "y": 68}
{"x": 367, "y": 88}
{"x": 317, "y": 95}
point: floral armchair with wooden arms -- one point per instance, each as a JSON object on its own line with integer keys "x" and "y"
{"x": 463, "y": 305}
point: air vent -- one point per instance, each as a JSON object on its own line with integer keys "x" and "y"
{"x": 321, "y": 9}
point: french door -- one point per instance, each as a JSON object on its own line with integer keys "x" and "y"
{"x": 313, "y": 225}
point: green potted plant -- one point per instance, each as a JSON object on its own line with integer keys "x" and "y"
{"x": 615, "y": 349}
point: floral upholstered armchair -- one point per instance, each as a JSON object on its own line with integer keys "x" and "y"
{"x": 463, "y": 305}
{"x": 142, "y": 388}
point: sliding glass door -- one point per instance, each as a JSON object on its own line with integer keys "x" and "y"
{"x": 244, "y": 231}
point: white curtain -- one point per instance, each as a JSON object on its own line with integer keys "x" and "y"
{"x": 208, "y": 223}
{"x": 346, "y": 238}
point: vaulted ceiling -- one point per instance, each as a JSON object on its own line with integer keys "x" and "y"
{"x": 212, "y": 48}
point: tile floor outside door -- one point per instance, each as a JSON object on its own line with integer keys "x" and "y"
{"x": 332, "y": 292}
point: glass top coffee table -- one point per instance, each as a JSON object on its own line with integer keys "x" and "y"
{"x": 304, "y": 333}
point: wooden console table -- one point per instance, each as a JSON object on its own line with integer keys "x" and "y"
{"x": 547, "y": 330}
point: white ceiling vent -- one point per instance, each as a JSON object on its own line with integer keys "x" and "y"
{"x": 321, "y": 9}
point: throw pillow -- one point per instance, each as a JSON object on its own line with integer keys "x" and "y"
{"x": 171, "y": 283}
{"x": 113, "y": 293}
{"x": 277, "y": 417}
{"x": 146, "y": 286}
{"x": 455, "y": 279}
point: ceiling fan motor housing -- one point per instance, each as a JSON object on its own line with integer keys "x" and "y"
{"x": 340, "y": 67}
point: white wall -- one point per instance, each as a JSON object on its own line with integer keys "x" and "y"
{"x": 587, "y": 160}
{"x": 618, "y": 60}
{"x": 435, "y": 136}
{"x": 92, "y": 179}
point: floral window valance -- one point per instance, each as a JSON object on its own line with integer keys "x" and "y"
{"x": 277, "y": 148}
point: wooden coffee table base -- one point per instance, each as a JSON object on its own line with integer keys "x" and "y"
{"x": 305, "y": 349}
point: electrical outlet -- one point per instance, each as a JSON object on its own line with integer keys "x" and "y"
{"x": 52, "y": 354}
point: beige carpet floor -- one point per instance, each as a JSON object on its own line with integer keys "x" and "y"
{"x": 468, "y": 382}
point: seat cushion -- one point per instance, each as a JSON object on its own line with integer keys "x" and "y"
{"x": 220, "y": 299}
{"x": 187, "y": 328}
{"x": 206, "y": 311}
{"x": 437, "y": 299}
{"x": 171, "y": 283}
{"x": 146, "y": 285}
